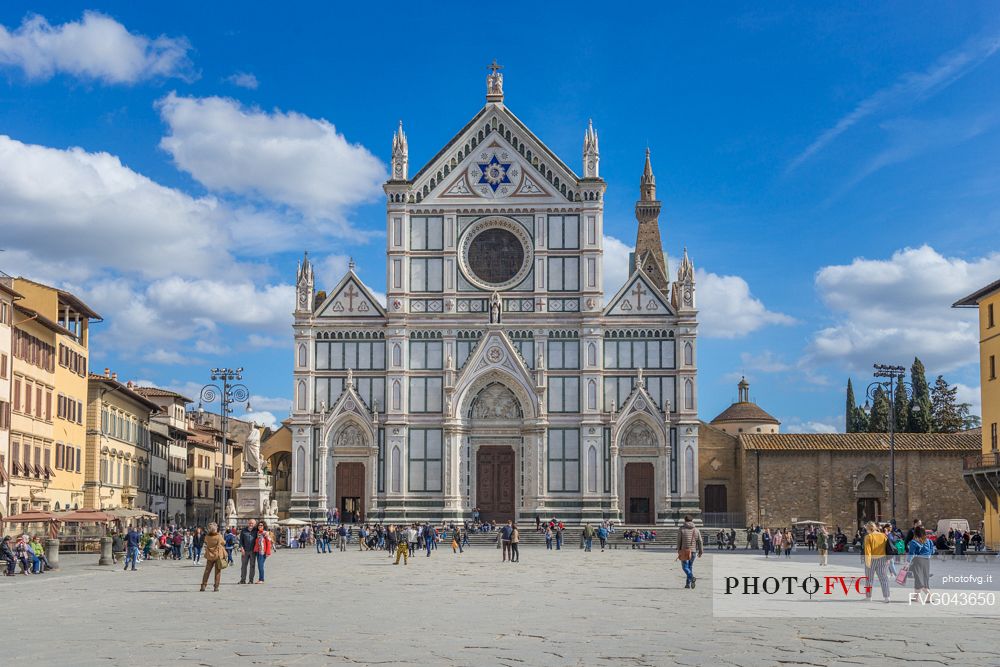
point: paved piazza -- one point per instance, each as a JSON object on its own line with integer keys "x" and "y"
{"x": 554, "y": 608}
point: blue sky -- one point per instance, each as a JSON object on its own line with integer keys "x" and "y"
{"x": 832, "y": 171}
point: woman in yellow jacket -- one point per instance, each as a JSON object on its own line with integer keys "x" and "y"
{"x": 876, "y": 561}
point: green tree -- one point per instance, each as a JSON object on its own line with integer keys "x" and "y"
{"x": 946, "y": 416}
{"x": 920, "y": 402}
{"x": 901, "y": 408}
{"x": 878, "y": 420}
{"x": 969, "y": 420}
{"x": 850, "y": 410}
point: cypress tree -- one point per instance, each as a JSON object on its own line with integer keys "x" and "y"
{"x": 919, "y": 420}
{"x": 901, "y": 406}
{"x": 878, "y": 421}
{"x": 850, "y": 418}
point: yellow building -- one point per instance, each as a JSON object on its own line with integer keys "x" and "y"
{"x": 33, "y": 353}
{"x": 982, "y": 473}
{"x": 118, "y": 444}
{"x": 203, "y": 445}
{"x": 68, "y": 434}
{"x": 7, "y": 298}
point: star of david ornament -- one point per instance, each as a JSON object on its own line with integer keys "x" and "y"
{"x": 494, "y": 173}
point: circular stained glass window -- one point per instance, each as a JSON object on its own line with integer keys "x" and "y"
{"x": 495, "y": 255}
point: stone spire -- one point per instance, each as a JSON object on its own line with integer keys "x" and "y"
{"x": 743, "y": 388}
{"x": 400, "y": 155}
{"x": 494, "y": 83}
{"x": 591, "y": 155}
{"x": 683, "y": 296}
{"x": 304, "y": 285}
{"x": 648, "y": 247}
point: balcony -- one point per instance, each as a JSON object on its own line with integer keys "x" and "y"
{"x": 982, "y": 474}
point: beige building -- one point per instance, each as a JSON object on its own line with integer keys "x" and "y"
{"x": 168, "y": 461}
{"x": 71, "y": 341}
{"x": 276, "y": 451}
{"x": 7, "y": 298}
{"x": 118, "y": 444}
{"x": 203, "y": 443}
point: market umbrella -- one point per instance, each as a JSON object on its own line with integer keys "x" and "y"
{"x": 86, "y": 516}
{"x": 124, "y": 513}
{"x": 293, "y": 522}
{"x": 35, "y": 516}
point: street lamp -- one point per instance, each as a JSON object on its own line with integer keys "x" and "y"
{"x": 894, "y": 375}
{"x": 227, "y": 395}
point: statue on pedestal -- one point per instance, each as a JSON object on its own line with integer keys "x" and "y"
{"x": 251, "y": 452}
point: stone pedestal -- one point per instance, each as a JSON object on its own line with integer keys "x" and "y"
{"x": 253, "y": 500}
{"x": 52, "y": 553}
{"x": 106, "y": 556}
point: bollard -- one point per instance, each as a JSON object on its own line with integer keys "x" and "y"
{"x": 106, "y": 558}
{"x": 52, "y": 553}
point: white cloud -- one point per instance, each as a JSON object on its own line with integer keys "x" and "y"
{"x": 615, "y": 267}
{"x": 765, "y": 362}
{"x": 824, "y": 425}
{"x": 892, "y": 310}
{"x": 971, "y": 395}
{"x": 243, "y": 80}
{"x": 161, "y": 356}
{"x": 72, "y": 206}
{"x": 260, "y": 418}
{"x": 283, "y": 157}
{"x": 727, "y": 309}
{"x": 910, "y": 88}
{"x": 96, "y": 48}
{"x": 256, "y": 340}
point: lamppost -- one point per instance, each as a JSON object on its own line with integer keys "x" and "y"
{"x": 894, "y": 375}
{"x": 227, "y": 395}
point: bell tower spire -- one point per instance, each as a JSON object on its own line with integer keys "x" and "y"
{"x": 648, "y": 253}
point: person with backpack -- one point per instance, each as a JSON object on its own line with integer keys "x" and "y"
{"x": 689, "y": 547}
{"x": 602, "y": 536}
{"x": 430, "y": 535}
{"x": 588, "y": 537}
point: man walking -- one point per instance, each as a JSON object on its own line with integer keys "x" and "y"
{"x": 247, "y": 541}
{"x": 430, "y": 534}
{"x": 689, "y": 545}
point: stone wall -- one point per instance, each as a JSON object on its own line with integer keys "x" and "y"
{"x": 821, "y": 484}
{"x": 719, "y": 463}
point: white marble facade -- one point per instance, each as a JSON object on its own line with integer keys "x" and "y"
{"x": 497, "y": 375}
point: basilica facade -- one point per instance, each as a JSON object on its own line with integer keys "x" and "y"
{"x": 498, "y": 376}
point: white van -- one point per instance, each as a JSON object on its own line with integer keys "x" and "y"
{"x": 944, "y": 525}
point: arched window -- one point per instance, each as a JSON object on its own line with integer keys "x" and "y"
{"x": 300, "y": 470}
{"x": 688, "y": 354}
{"x": 301, "y": 399}
{"x": 397, "y": 355}
{"x": 302, "y": 355}
{"x": 592, "y": 395}
{"x": 688, "y": 394}
{"x": 592, "y": 355}
{"x": 397, "y": 399}
{"x": 689, "y": 470}
{"x": 396, "y": 470}
{"x": 592, "y": 469}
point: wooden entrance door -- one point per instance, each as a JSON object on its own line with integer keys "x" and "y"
{"x": 639, "y": 490}
{"x": 715, "y": 498}
{"x": 495, "y": 483}
{"x": 350, "y": 487}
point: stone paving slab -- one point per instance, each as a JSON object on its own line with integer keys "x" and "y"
{"x": 551, "y": 609}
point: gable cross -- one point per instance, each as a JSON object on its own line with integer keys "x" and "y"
{"x": 351, "y": 293}
{"x": 638, "y": 292}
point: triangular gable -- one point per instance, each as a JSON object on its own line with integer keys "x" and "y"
{"x": 456, "y": 171}
{"x": 495, "y": 352}
{"x": 638, "y": 298}
{"x": 639, "y": 406}
{"x": 350, "y": 298}
{"x": 349, "y": 408}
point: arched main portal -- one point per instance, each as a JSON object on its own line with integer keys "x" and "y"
{"x": 495, "y": 418}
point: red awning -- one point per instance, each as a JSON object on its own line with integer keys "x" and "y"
{"x": 31, "y": 516}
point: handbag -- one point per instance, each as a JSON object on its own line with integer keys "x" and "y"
{"x": 684, "y": 554}
{"x": 223, "y": 562}
{"x": 903, "y": 573}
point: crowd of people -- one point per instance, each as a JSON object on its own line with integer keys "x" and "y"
{"x": 25, "y": 552}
